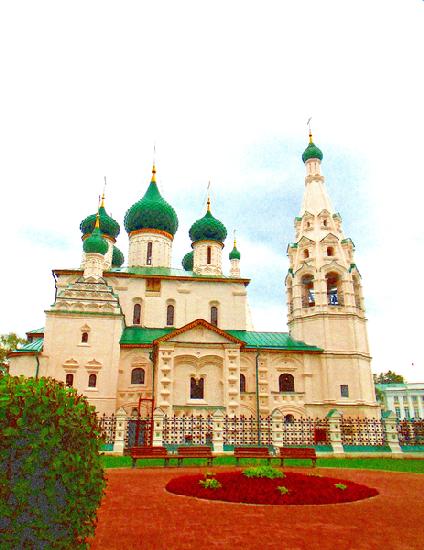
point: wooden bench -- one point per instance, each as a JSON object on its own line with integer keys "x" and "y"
{"x": 252, "y": 452}
{"x": 149, "y": 452}
{"x": 298, "y": 452}
{"x": 192, "y": 451}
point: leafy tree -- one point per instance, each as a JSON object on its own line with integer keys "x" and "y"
{"x": 8, "y": 342}
{"x": 51, "y": 478}
{"x": 389, "y": 377}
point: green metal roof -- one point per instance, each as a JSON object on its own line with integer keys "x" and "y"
{"x": 140, "y": 335}
{"x": 271, "y": 340}
{"x": 253, "y": 340}
{"x": 31, "y": 347}
{"x": 36, "y": 331}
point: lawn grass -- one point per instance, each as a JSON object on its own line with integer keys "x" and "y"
{"x": 387, "y": 464}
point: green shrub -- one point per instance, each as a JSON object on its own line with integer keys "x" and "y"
{"x": 51, "y": 478}
{"x": 263, "y": 471}
{"x": 210, "y": 483}
{"x": 283, "y": 490}
{"x": 340, "y": 486}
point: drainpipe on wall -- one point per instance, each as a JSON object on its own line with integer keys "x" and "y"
{"x": 37, "y": 369}
{"x": 257, "y": 397}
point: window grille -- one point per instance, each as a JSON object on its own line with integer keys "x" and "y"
{"x": 137, "y": 376}
{"x": 137, "y": 314}
{"x": 286, "y": 382}
{"x": 197, "y": 388}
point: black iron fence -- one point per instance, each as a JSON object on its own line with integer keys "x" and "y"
{"x": 107, "y": 426}
{"x": 248, "y": 431}
{"x": 187, "y": 430}
{"x": 245, "y": 431}
{"x": 362, "y": 432}
{"x": 305, "y": 431}
{"x": 411, "y": 432}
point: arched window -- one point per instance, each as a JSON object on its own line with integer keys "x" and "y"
{"x": 170, "y": 312}
{"x": 69, "y": 380}
{"x": 325, "y": 223}
{"x": 334, "y": 289}
{"x": 242, "y": 383}
{"x": 214, "y": 316}
{"x": 92, "y": 381}
{"x": 330, "y": 251}
{"x": 308, "y": 294}
{"x": 134, "y": 412}
{"x": 84, "y": 337}
{"x": 137, "y": 314}
{"x": 197, "y": 388}
{"x": 306, "y": 253}
{"x": 286, "y": 382}
{"x": 137, "y": 376}
{"x": 288, "y": 419}
{"x": 149, "y": 253}
{"x": 209, "y": 255}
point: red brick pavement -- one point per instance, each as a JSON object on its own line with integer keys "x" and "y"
{"x": 137, "y": 513}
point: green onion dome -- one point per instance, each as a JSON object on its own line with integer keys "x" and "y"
{"x": 208, "y": 228}
{"x": 95, "y": 243}
{"x": 151, "y": 212}
{"x": 108, "y": 226}
{"x": 234, "y": 254}
{"x": 188, "y": 261}
{"x": 311, "y": 151}
{"x": 117, "y": 257}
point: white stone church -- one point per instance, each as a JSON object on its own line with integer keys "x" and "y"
{"x": 182, "y": 339}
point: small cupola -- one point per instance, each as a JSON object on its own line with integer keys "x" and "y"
{"x": 208, "y": 235}
{"x": 187, "y": 261}
{"x": 95, "y": 247}
{"x": 108, "y": 226}
{"x": 234, "y": 256}
{"x": 312, "y": 151}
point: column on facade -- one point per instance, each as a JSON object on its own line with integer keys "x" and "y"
{"x": 232, "y": 381}
{"x": 164, "y": 379}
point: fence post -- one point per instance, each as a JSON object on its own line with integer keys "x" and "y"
{"x": 335, "y": 431}
{"x": 277, "y": 428}
{"x": 158, "y": 416}
{"x": 217, "y": 429}
{"x": 392, "y": 437}
{"x": 121, "y": 428}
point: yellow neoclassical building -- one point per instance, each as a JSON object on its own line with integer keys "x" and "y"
{"x": 182, "y": 339}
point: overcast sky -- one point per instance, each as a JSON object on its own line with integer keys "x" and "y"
{"x": 224, "y": 89}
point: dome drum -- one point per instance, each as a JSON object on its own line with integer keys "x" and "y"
{"x": 207, "y": 257}
{"x": 153, "y": 232}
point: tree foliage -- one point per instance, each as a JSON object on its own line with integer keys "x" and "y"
{"x": 388, "y": 377}
{"x": 8, "y": 342}
{"x": 51, "y": 479}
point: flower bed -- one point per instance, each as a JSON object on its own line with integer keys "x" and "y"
{"x": 292, "y": 488}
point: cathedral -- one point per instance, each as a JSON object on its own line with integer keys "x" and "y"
{"x": 182, "y": 339}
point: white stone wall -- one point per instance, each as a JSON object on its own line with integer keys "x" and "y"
{"x": 192, "y": 300}
{"x": 65, "y": 353}
{"x": 161, "y": 249}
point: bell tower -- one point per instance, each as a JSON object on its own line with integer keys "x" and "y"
{"x": 324, "y": 293}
